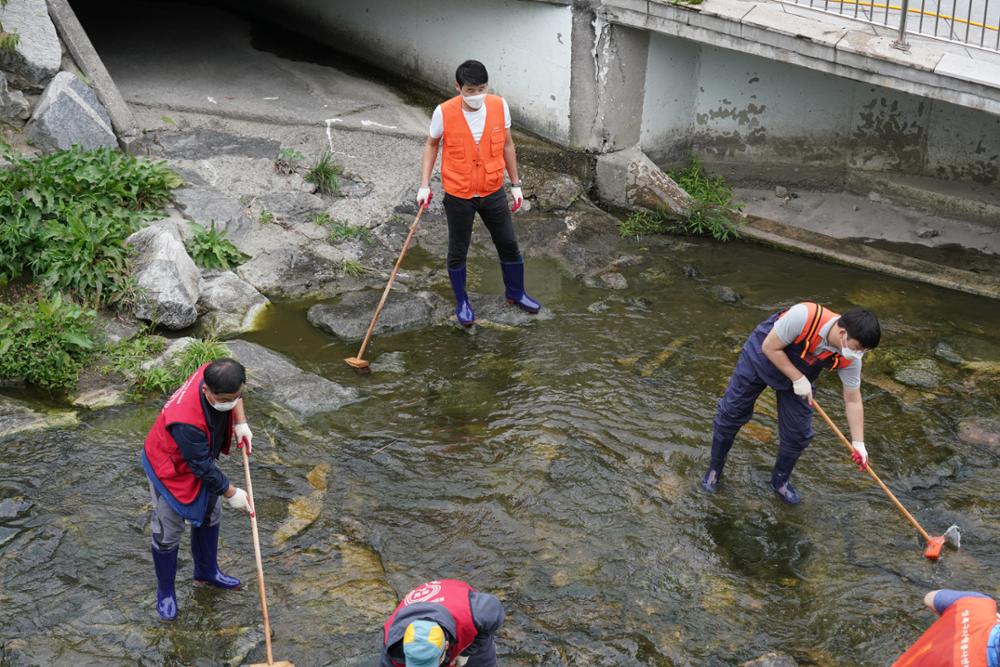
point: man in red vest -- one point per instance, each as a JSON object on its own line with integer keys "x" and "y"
{"x": 195, "y": 425}
{"x": 442, "y": 622}
{"x": 475, "y": 129}
{"x": 967, "y": 634}
{"x": 787, "y": 352}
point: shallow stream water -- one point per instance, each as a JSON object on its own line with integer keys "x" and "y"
{"x": 555, "y": 466}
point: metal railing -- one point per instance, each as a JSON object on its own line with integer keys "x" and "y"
{"x": 971, "y": 22}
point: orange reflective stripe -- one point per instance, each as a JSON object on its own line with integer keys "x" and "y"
{"x": 812, "y": 330}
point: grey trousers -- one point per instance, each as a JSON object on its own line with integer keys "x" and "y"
{"x": 168, "y": 525}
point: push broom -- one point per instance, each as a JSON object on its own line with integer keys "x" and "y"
{"x": 260, "y": 573}
{"x": 934, "y": 544}
{"x": 358, "y": 363}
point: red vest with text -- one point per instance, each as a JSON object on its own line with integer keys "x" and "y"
{"x": 805, "y": 344}
{"x": 184, "y": 407}
{"x": 468, "y": 169}
{"x": 958, "y": 638}
{"x": 453, "y": 595}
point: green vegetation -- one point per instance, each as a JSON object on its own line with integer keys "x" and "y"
{"x": 166, "y": 378}
{"x": 210, "y": 249}
{"x": 324, "y": 175}
{"x": 288, "y": 161}
{"x": 66, "y": 217}
{"x": 45, "y": 341}
{"x": 341, "y": 230}
{"x": 126, "y": 356}
{"x": 711, "y": 213}
{"x": 8, "y": 40}
{"x": 352, "y": 268}
{"x": 266, "y": 217}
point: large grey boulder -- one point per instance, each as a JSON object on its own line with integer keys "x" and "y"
{"x": 13, "y": 105}
{"x": 38, "y": 55}
{"x": 558, "y": 192}
{"x": 980, "y": 431}
{"x": 18, "y": 418}
{"x": 494, "y": 310}
{"x": 169, "y": 281}
{"x": 69, "y": 113}
{"x": 233, "y": 306}
{"x": 208, "y": 206}
{"x": 272, "y": 377}
{"x": 349, "y": 319}
{"x": 631, "y": 180}
{"x": 920, "y": 373}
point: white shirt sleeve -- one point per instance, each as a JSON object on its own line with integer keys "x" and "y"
{"x": 506, "y": 113}
{"x": 437, "y": 123}
{"x": 788, "y": 327}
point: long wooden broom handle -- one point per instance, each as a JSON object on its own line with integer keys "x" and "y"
{"x": 256, "y": 552}
{"x": 388, "y": 285}
{"x": 868, "y": 469}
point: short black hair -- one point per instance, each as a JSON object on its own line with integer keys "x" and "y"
{"x": 862, "y": 326}
{"x": 225, "y": 376}
{"x": 471, "y": 72}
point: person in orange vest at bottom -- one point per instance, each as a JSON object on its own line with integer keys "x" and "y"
{"x": 967, "y": 634}
{"x": 475, "y": 128}
{"x": 787, "y": 352}
{"x": 442, "y": 622}
{"x": 196, "y": 424}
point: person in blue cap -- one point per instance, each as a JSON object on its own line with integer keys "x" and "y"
{"x": 442, "y": 622}
{"x": 787, "y": 352}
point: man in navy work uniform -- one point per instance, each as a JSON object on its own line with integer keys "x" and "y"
{"x": 442, "y": 622}
{"x": 195, "y": 425}
{"x": 475, "y": 129}
{"x": 786, "y": 352}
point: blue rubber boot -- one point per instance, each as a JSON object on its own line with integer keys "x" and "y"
{"x": 463, "y": 311}
{"x": 711, "y": 478}
{"x": 779, "y": 479}
{"x": 204, "y": 551}
{"x": 165, "y": 563}
{"x": 513, "y": 280}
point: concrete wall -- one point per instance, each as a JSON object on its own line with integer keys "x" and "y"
{"x": 526, "y": 46}
{"x": 731, "y": 107}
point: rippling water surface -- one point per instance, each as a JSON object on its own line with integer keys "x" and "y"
{"x": 555, "y": 466}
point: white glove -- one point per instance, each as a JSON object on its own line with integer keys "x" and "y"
{"x": 240, "y": 501}
{"x": 515, "y": 193}
{"x": 860, "y": 454}
{"x": 243, "y": 434}
{"x": 803, "y": 389}
{"x": 424, "y": 197}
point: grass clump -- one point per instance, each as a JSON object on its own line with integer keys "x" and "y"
{"x": 45, "y": 341}
{"x": 210, "y": 249}
{"x": 341, "y": 230}
{"x": 288, "y": 161}
{"x": 266, "y": 217}
{"x": 8, "y": 40}
{"x": 710, "y": 214}
{"x": 166, "y": 378}
{"x": 352, "y": 268}
{"x": 66, "y": 217}
{"x": 324, "y": 175}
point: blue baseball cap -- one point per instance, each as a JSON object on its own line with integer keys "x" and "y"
{"x": 423, "y": 644}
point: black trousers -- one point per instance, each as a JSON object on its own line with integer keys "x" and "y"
{"x": 496, "y": 216}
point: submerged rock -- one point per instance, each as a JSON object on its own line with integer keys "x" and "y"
{"x": 12, "y": 507}
{"x": 390, "y": 362}
{"x": 947, "y": 352}
{"x": 725, "y": 294}
{"x": 980, "y": 431}
{"x": 614, "y": 280}
{"x": 494, "y": 309}
{"x": 771, "y": 660}
{"x": 274, "y": 378}
{"x": 18, "y": 418}
{"x": 349, "y": 319}
{"x": 923, "y": 373}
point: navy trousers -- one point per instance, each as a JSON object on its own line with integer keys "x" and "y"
{"x": 736, "y": 408}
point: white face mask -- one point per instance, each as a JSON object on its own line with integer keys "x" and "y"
{"x": 225, "y": 407}
{"x": 851, "y": 355}
{"x": 474, "y": 101}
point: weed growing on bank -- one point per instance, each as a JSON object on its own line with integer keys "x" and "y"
{"x": 352, "y": 268}
{"x": 288, "y": 161}
{"x": 710, "y": 214}
{"x": 45, "y": 341}
{"x": 210, "y": 249}
{"x": 324, "y": 175}
{"x": 165, "y": 379}
{"x": 8, "y": 40}
{"x": 66, "y": 217}
{"x": 341, "y": 230}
